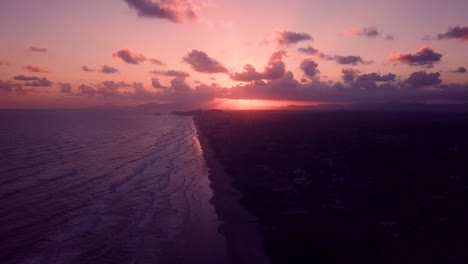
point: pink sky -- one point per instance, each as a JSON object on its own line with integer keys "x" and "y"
{"x": 57, "y": 53}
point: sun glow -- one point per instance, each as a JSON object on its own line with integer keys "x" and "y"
{"x": 244, "y": 104}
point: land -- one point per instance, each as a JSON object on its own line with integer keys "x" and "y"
{"x": 346, "y": 187}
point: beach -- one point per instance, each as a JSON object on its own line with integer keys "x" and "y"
{"x": 239, "y": 227}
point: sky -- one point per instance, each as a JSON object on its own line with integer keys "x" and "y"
{"x": 232, "y": 54}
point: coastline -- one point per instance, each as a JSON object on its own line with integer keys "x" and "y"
{"x": 239, "y": 227}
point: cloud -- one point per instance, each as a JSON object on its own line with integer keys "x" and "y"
{"x": 4, "y": 63}
{"x": 108, "y": 69}
{"x": 375, "y": 77}
{"x": 176, "y": 11}
{"x": 181, "y": 92}
{"x": 310, "y": 68}
{"x": 33, "y": 81}
{"x": 422, "y": 79}
{"x": 171, "y": 73}
{"x": 36, "y": 49}
{"x": 87, "y": 90}
{"x": 390, "y": 37}
{"x": 65, "y": 88}
{"x": 455, "y": 32}
{"x": 178, "y": 84}
{"x": 86, "y": 69}
{"x": 287, "y": 37}
{"x": 370, "y": 88}
{"x": 129, "y": 56}
{"x": 156, "y": 62}
{"x": 8, "y": 86}
{"x": 309, "y": 50}
{"x": 201, "y": 62}
{"x": 369, "y": 32}
{"x": 274, "y": 69}
{"x": 461, "y": 70}
{"x": 25, "y": 90}
{"x": 105, "y": 88}
{"x": 25, "y": 78}
{"x": 349, "y": 75}
{"x": 427, "y": 38}
{"x": 156, "y": 84}
{"x": 368, "y": 81}
{"x": 350, "y": 60}
{"x": 425, "y": 57}
{"x": 35, "y": 69}
{"x": 43, "y": 82}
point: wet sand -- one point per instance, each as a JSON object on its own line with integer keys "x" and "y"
{"x": 239, "y": 227}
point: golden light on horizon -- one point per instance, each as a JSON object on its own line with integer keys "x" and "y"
{"x": 253, "y": 104}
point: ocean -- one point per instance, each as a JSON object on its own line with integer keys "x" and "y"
{"x": 91, "y": 186}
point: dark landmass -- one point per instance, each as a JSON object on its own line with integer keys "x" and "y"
{"x": 349, "y": 187}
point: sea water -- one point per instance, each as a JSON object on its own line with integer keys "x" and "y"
{"x": 95, "y": 186}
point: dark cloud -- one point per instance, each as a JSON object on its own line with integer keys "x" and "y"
{"x": 108, "y": 69}
{"x": 315, "y": 52}
{"x": 65, "y": 88}
{"x": 86, "y": 69}
{"x": 455, "y": 32}
{"x": 180, "y": 92}
{"x": 390, "y": 37}
{"x": 201, "y": 62}
{"x": 33, "y": 81}
{"x": 461, "y": 70}
{"x": 156, "y": 84}
{"x": 349, "y": 75}
{"x": 36, "y": 69}
{"x": 87, "y": 90}
{"x": 36, "y": 49}
{"x": 8, "y": 86}
{"x": 172, "y": 73}
{"x": 425, "y": 57}
{"x": 375, "y": 77}
{"x": 287, "y": 37}
{"x": 350, "y": 60}
{"x": 129, "y": 56}
{"x": 111, "y": 86}
{"x": 21, "y": 90}
{"x": 370, "y": 32}
{"x": 371, "y": 81}
{"x": 178, "y": 84}
{"x": 274, "y": 69}
{"x": 309, "y": 50}
{"x": 310, "y": 68}
{"x": 156, "y": 62}
{"x": 249, "y": 73}
{"x": 105, "y": 88}
{"x": 423, "y": 79}
{"x": 25, "y": 78}
{"x": 43, "y": 82}
{"x": 176, "y": 11}
{"x": 370, "y": 88}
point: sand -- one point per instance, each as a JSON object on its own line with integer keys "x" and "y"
{"x": 240, "y": 228}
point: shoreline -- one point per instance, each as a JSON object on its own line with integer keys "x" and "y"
{"x": 239, "y": 227}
